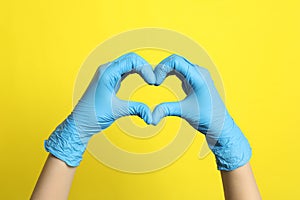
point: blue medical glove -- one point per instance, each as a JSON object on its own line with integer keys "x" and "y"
{"x": 204, "y": 109}
{"x": 99, "y": 108}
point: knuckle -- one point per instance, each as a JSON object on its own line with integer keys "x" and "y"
{"x": 175, "y": 57}
{"x": 102, "y": 68}
{"x": 163, "y": 109}
{"x": 204, "y": 71}
{"x": 131, "y": 55}
{"x": 142, "y": 107}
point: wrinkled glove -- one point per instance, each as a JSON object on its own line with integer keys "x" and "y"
{"x": 99, "y": 108}
{"x": 204, "y": 109}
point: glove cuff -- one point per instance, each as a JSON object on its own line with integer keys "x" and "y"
{"x": 232, "y": 152}
{"x": 66, "y": 144}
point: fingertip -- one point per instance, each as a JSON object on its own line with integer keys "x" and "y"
{"x": 148, "y": 121}
{"x": 151, "y": 79}
{"x": 145, "y": 113}
{"x": 155, "y": 121}
{"x": 159, "y": 81}
{"x": 159, "y": 76}
{"x": 148, "y": 117}
{"x": 161, "y": 71}
{"x": 157, "y": 115}
{"x": 148, "y": 74}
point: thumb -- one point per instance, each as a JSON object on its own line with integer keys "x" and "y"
{"x": 126, "y": 108}
{"x": 166, "y": 109}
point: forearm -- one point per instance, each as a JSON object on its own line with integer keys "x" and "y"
{"x": 55, "y": 180}
{"x": 240, "y": 184}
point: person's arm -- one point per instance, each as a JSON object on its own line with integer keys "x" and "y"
{"x": 55, "y": 180}
{"x": 239, "y": 184}
{"x": 97, "y": 109}
{"x": 205, "y": 110}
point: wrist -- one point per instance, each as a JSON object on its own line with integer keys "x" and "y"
{"x": 232, "y": 150}
{"x": 66, "y": 143}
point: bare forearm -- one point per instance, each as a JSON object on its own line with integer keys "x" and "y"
{"x": 55, "y": 180}
{"x": 240, "y": 184}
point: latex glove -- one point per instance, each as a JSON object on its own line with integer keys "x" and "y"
{"x": 99, "y": 108}
{"x": 204, "y": 109}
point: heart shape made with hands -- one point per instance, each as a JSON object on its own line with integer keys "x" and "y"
{"x": 202, "y": 108}
{"x": 196, "y": 81}
{"x": 99, "y": 107}
{"x": 147, "y": 75}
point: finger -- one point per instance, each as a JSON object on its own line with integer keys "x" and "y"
{"x": 131, "y": 62}
{"x": 173, "y": 62}
{"x": 166, "y": 109}
{"x": 118, "y": 85}
{"x": 126, "y": 108}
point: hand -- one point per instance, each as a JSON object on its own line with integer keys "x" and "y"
{"x": 99, "y": 108}
{"x": 204, "y": 109}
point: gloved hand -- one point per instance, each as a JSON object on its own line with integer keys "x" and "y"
{"x": 99, "y": 108}
{"x": 204, "y": 109}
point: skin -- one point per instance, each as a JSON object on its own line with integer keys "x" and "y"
{"x": 239, "y": 184}
{"x": 56, "y": 179}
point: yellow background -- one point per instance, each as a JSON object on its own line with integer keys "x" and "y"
{"x": 255, "y": 45}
